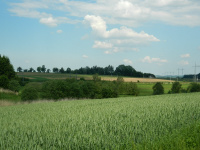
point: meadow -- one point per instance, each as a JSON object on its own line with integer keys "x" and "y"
{"x": 33, "y": 76}
{"x": 170, "y": 121}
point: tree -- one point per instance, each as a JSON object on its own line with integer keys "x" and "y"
{"x": 48, "y": 70}
{"x": 14, "y": 86}
{"x": 31, "y": 70}
{"x": 62, "y": 70}
{"x": 43, "y": 69}
{"x": 4, "y": 81}
{"x": 69, "y": 70}
{"x": 176, "y": 87}
{"x": 55, "y": 70}
{"x": 39, "y": 69}
{"x": 132, "y": 89}
{"x": 29, "y": 94}
{"x": 158, "y": 89}
{"x": 19, "y": 69}
{"x": 6, "y": 68}
{"x": 193, "y": 87}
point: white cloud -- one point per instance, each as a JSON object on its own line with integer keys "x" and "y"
{"x": 148, "y": 59}
{"x": 185, "y": 56}
{"x": 102, "y": 45}
{"x": 59, "y": 31}
{"x": 85, "y": 56}
{"x": 50, "y": 21}
{"x": 127, "y": 61}
{"x": 183, "y": 63}
{"x": 116, "y": 40}
{"x": 123, "y": 12}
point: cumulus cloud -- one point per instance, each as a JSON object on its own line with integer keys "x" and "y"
{"x": 148, "y": 59}
{"x": 127, "y": 61}
{"x": 102, "y": 45}
{"x": 185, "y": 56}
{"x": 116, "y": 39}
{"x": 50, "y": 21}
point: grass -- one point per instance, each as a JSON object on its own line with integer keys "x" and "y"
{"x": 146, "y": 88}
{"x": 150, "y": 122}
{"x": 41, "y": 77}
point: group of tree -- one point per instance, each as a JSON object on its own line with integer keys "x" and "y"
{"x": 8, "y": 78}
{"x": 79, "y": 89}
{"x": 121, "y": 70}
{"x": 176, "y": 88}
{"x": 191, "y": 76}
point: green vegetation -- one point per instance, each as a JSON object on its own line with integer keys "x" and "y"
{"x": 158, "y": 89}
{"x": 29, "y": 94}
{"x": 169, "y": 121}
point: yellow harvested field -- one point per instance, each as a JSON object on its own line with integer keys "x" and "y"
{"x": 126, "y": 79}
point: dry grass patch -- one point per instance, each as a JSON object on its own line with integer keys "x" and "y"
{"x": 126, "y": 79}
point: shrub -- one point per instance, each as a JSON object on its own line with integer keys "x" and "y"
{"x": 29, "y": 94}
{"x": 14, "y": 86}
{"x": 55, "y": 89}
{"x": 96, "y": 77}
{"x": 158, "y": 89}
{"x": 132, "y": 89}
{"x": 176, "y": 87}
{"x": 4, "y": 81}
{"x": 193, "y": 87}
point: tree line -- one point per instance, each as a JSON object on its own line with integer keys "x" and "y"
{"x": 121, "y": 70}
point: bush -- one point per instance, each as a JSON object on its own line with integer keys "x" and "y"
{"x": 4, "y": 81}
{"x": 55, "y": 89}
{"x": 14, "y": 86}
{"x": 96, "y": 77}
{"x": 176, "y": 87}
{"x": 29, "y": 94}
{"x": 158, "y": 89}
{"x": 132, "y": 89}
{"x": 193, "y": 87}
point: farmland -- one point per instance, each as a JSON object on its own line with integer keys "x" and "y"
{"x": 169, "y": 121}
{"x": 48, "y": 76}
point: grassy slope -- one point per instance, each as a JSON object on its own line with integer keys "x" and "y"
{"x": 153, "y": 122}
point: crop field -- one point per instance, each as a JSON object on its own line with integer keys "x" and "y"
{"x": 169, "y": 121}
{"x": 48, "y": 76}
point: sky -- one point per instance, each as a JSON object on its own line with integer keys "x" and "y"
{"x": 153, "y": 36}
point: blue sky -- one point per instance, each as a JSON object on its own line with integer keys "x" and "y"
{"x": 155, "y": 36}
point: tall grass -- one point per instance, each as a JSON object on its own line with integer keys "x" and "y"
{"x": 150, "y": 122}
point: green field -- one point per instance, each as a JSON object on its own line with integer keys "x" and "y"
{"x": 169, "y": 121}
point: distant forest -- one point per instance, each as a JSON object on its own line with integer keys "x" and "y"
{"x": 121, "y": 70}
{"x": 190, "y": 76}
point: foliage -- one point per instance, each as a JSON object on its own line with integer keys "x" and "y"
{"x": 29, "y": 94}
{"x": 176, "y": 87}
{"x": 132, "y": 89}
{"x": 55, "y": 89}
{"x": 158, "y": 89}
{"x": 19, "y": 69}
{"x": 193, "y": 87}
{"x": 96, "y": 77}
{"x": 6, "y": 68}
{"x": 150, "y": 122}
{"x": 121, "y": 70}
{"x": 14, "y": 86}
{"x": 4, "y": 81}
